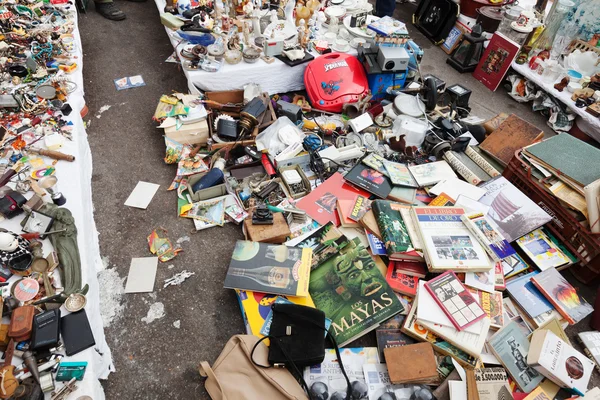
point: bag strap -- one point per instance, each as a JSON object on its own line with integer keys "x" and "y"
{"x": 206, "y": 371}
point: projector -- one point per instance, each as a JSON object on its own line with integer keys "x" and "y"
{"x": 392, "y": 58}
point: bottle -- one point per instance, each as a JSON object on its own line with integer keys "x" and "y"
{"x": 276, "y": 277}
{"x": 212, "y": 177}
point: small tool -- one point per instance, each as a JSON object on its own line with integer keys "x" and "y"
{"x": 37, "y": 235}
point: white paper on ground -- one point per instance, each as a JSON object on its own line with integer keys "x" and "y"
{"x": 454, "y": 187}
{"x": 458, "y": 390}
{"x": 142, "y": 273}
{"x": 142, "y": 195}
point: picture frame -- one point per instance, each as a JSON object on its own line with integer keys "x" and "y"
{"x": 453, "y": 39}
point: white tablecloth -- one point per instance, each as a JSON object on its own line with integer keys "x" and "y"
{"x": 586, "y": 122}
{"x": 75, "y": 182}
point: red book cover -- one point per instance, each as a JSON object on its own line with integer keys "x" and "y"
{"x": 455, "y": 300}
{"x": 321, "y": 203}
{"x": 401, "y": 283}
{"x": 411, "y": 268}
{"x": 500, "y": 282}
{"x": 496, "y": 61}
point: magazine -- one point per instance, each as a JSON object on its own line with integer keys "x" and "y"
{"x": 378, "y": 384}
{"x": 492, "y": 383}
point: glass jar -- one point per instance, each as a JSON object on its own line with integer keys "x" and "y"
{"x": 510, "y": 14}
{"x": 553, "y": 21}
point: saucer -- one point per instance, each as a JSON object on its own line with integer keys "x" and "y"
{"x": 338, "y": 50}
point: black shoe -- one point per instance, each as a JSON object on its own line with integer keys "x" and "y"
{"x": 110, "y": 11}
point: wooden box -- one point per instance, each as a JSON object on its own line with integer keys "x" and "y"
{"x": 276, "y": 233}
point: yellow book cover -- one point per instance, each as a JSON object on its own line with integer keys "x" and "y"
{"x": 257, "y": 307}
{"x": 538, "y": 394}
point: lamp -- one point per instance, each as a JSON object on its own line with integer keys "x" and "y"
{"x": 467, "y": 55}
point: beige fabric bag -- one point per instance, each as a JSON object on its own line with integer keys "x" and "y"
{"x": 235, "y": 377}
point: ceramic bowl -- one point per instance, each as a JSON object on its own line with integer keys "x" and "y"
{"x": 337, "y": 12}
{"x": 251, "y": 55}
{"x": 215, "y": 50}
{"x": 233, "y": 56}
{"x": 573, "y": 86}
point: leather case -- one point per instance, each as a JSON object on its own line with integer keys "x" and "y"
{"x": 76, "y": 332}
{"x": 21, "y": 323}
{"x": 46, "y": 329}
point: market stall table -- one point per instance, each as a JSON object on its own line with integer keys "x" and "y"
{"x": 585, "y": 121}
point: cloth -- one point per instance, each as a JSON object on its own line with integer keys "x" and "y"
{"x": 385, "y": 8}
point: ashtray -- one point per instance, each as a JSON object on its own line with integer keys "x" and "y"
{"x": 215, "y": 50}
{"x": 251, "y": 55}
{"x": 233, "y": 56}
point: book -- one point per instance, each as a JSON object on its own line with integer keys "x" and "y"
{"x": 360, "y": 208}
{"x": 499, "y": 281}
{"x": 376, "y": 162}
{"x": 481, "y": 162}
{"x": 562, "y": 295}
{"x": 523, "y": 291}
{"x": 324, "y": 243}
{"x": 457, "y": 390}
{"x": 492, "y": 383}
{"x": 591, "y": 345}
{"x": 446, "y": 241}
{"x": 481, "y": 280}
{"x": 510, "y": 346}
{"x": 256, "y": 307}
{"x": 327, "y": 377}
{"x": 455, "y": 300}
{"x": 513, "y": 266}
{"x": 352, "y": 292}
{"x": 399, "y": 174}
{"x": 490, "y": 238}
{"x": 344, "y": 208}
{"x": 275, "y": 269}
{"x": 541, "y": 250}
{"x": 370, "y": 180}
{"x": 402, "y": 283}
{"x": 558, "y": 361}
{"x": 496, "y": 60}
{"x": 512, "y": 211}
{"x": 378, "y": 383}
{"x": 431, "y": 173}
{"x": 409, "y": 222}
{"x": 321, "y": 202}
{"x": 442, "y": 200}
{"x": 388, "y": 26}
{"x": 410, "y": 268}
{"x": 492, "y": 305}
{"x": 392, "y": 227}
{"x": 403, "y": 194}
{"x": 538, "y": 394}
{"x": 555, "y": 327}
{"x": 465, "y": 167}
{"x": 413, "y": 363}
{"x": 455, "y": 187}
{"x": 369, "y": 223}
{"x": 389, "y": 334}
{"x": 376, "y": 245}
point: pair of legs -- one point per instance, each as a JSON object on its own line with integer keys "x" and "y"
{"x": 109, "y": 10}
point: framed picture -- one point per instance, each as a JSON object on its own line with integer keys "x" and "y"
{"x": 454, "y": 38}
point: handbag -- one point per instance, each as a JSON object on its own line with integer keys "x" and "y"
{"x": 234, "y": 375}
{"x": 297, "y": 335}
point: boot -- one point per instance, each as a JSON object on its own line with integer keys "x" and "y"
{"x": 110, "y": 11}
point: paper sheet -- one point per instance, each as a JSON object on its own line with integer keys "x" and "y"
{"x": 142, "y": 195}
{"x": 142, "y": 273}
{"x": 455, "y": 187}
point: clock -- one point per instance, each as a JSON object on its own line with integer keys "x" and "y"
{"x": 38, "y": 223}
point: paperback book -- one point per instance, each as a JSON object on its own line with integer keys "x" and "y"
{"x": 392, "y": 227}
{"x": 542, "y": 251}
{"x": 431, "y": 173}
{"x": 324, "y": 243}
{"x": 523, "y": 291}
{"x": 389, "y": 334}
{"x": 376, "y": 245}
{"x": 275, "y": 269}
{"x": 490, "y": 238}
{"x": 370, "y": 180}
{"x": 399, "y": 174}
{"x": 401, "y": 283}
{"x": 352, "y": 292}
{"x": 591, "y": 345}
{"x": 492, "y": 305}
{"x": 492, "y": 383}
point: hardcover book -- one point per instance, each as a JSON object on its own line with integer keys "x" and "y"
{"x": 542, "y": 251}
{"x": 275, "y": 269}
{"x": 455, "y": 300}
{"x": 496, "y": 60}
{"x": 510, "y": 346}
{"x": 369, "y": 223}
{"x": 562, "y": 295}
{"x": 558, "y": 361}
{"x": 413, "y": 363}
{"x": 399, "y": 174}
{"x": 512, "y": 211}
{"x": 527, "y": 296}
{"x": 410, "y": 268}
{"x": 376, "y": 245}
{"x": 392, "y": 227}
{"x": 403, "y": 194}
{"x": 492, "y": 383}
{"x": 492, "y": 305}
{"x": 431, "y": 173}
{"x": 389, "y": 334}
{"x": 591, "y": 345}
{"x": 401, "y": 283}
{"x": 411, "y": 227}
{"x": 490, "y": 238}
{"x": 361, "y": 206}
{"x": 370, "y": 180}
{"x": 353, "y": 293}
{"x": 446, "y": 241}
{"x": 467, "y": 169}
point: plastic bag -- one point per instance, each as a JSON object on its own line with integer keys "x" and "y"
{"x": 277, "y": 137}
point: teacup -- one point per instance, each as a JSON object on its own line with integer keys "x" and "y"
{"x": 354, "y": 43}
{"x": 344, "y": 34}
{"x": 342, "y": 45}
{"x": 330, "y": 37}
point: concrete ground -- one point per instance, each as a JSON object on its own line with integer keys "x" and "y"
{"x": 157, "y": 359}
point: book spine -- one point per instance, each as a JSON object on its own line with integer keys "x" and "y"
{"x": 385, "y": 236}
{"x": 480, "y": 237}
{"x": 590, "y": 356}
{"x": 421, "y": 240}
{"x": 482, "y": 162}
{"x": 558, "y": 307}
{"x": 410, "y": 223}
{"x": 461, "y": 168}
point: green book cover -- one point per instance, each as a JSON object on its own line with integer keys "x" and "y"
{"x": 392, "y": 227}
{"x": 352, "y": 292}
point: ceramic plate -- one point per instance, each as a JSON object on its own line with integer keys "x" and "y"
{"x": 283, "y": 29}
{"x": 361, "y": 32}
{"x": 335, "y": 12}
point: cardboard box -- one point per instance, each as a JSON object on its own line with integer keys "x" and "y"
{"x": 194, "y": 133}
{"x": 276, "y": 233}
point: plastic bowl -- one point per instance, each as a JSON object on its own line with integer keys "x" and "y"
{"x": 574, "y": 75}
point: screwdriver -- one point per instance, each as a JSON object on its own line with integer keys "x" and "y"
{"x": 36, "y": 235}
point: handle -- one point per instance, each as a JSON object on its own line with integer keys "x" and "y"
{"x": 206, "y": 371}
{"x": 57, "y": 155}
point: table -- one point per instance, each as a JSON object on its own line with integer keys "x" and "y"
{"x": 74, "y": 181}
{"x": 585, "y": 121}
{"x": 273, "y": 78}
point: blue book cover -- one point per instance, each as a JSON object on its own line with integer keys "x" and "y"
{"x": 377, "y": 246}
{"x": 527, "y": 296}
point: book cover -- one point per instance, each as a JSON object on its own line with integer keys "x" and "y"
{"x": 376, "y": 245}
{"x": 389, "y": 334}
{"x": 469, "y": 174}
{"x": 376, "y": 162}
{"x": 481, "y": 162}
{"x": 431, "y": 173}
{"x": 275, "y": 269}
{"x": 399, "y": 174}
{"x": 558, "y": 361}
{"x": 492, "y": 305}
{"x": 379, "y": 385}
{"x": 256, "y": 307}
{"x": 410, "y": 268}
{"x": 320, "y": 204}
{"x": 562, "y": 295}
{"x": 555, "y": 327}
{"x": 446, "y": 241}
{"x": 353, "y": 293}
{"x": 492, "y": 383}
{"x": 369, "y": 223}
{"x": 513, "y": 265}
{"x": 512, "y": 211}
{"x": 542, "y": 251}
{"x": 324, "y": 243}
{"x": 388, "y": 26}
{"x": 361, "y": 206}
{"x": 496, "y": 60}
{"x": 403, "y": 194}
{"x": 370, "y": 180}
{"x": 413, "y": 363}
{"x": 392, "y": 227}
{"x": 411, "y": 227}
{"x": 455, "y": 300}
{"x": 510, "y": 346}
{"x": 327, "y": 377}
{"x": 591, "y": 343}
{"x": 492, "y": 240}
{"x": 344, "y": 209}
{"x": 402, "y": 283}
{"x": 481, "y": 280}
{"x": 538, "y": 394}
{"x": 499, "y": 281}
{"x": 527, "y": 296}
{"x": 443, "y": 200}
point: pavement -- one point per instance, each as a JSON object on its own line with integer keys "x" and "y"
{"x": 158, "y": 339}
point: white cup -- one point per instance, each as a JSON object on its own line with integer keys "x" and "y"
{"x": 344, "y": 34}
{"x": 357, "y": 42}
{"x": 330, "y": 37}
{"x": 342, "y": 45}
